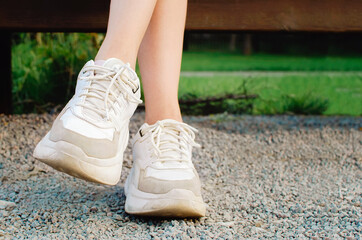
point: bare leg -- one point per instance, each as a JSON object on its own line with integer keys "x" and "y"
{"x": 127, "y": 24}
{"x": 159, "y": 59}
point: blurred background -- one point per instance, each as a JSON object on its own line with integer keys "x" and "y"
{"x": 248, "y": 72}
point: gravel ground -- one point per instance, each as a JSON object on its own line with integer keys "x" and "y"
{"x": 263, "y": 177}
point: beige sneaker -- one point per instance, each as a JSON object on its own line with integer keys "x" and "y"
{"x": 163, "y": 180}
{"x": 88, "y": 138}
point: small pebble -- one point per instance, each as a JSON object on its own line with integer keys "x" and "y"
{"x": 7, "y": 205}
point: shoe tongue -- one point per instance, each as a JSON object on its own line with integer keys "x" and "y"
{"x": 110, "y": 63}
{"x": 167, "y": 131}
{"x": 167, "y": 143}
{"x": 167, "y": 138}
{"x": 113, "y": 62}
{"x": 168, "y": 149}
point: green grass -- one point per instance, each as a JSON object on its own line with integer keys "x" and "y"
{"x": 216, "y": 61}
{"x": 46, "y": 65}
{"x": 343, "y": 93}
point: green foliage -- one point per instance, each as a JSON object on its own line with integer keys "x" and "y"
{"x": 306, "y": 104}
{"x": 45, "y": 67}
{"x": 344, "y": 92}
{"x": 234, "y": 106}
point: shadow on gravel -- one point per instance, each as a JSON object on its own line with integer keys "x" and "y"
{"x": 262, "y": 124}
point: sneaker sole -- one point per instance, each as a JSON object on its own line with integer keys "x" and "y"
{"x": 178, "y": 203}
{"x": 70, "y": 159}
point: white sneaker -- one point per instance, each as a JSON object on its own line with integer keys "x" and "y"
{"x": 88, "y": 138}
{"x": 163, "y": 180}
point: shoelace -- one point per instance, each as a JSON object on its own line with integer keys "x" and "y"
{"x": 99, "y": 89}
{"x": 183, "y": 136}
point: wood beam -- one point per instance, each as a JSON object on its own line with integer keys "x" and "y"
{"x": 237, "y": 15}
{"x": 5, "y": 70}
{"x": 275, "y": 15}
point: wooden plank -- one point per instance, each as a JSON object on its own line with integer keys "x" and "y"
{"x": 248, "y": 15}
{"x": 276, "y": 15}
{"x": 45, "y": 15}
{"x": 5, "y": 69}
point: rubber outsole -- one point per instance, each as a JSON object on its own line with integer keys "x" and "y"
{"x": 177, "y": 203}
{"x": 70, "y": 162}
{"x": 177, "y": 208}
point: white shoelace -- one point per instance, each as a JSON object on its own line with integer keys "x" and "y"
{"x": 182, "y": 136}
{"x": 101, "y": 89}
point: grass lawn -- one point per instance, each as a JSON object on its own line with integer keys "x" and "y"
{"x": 343, "y": 92}
{"x": 216, "y": 61}
{"x": 40, "y": 63}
